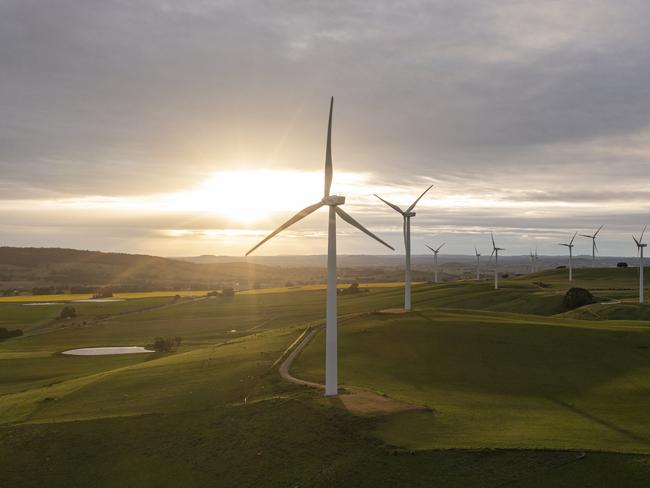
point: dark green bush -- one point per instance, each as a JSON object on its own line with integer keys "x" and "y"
{"x": 166, "y": 344}
{"x": 577, "y": 297}
{"x": 8, "y": 334}
{"x": 68, "y": 312}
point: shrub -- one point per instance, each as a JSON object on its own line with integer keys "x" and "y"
{"x": 621, "y": 265}
{"x": 577, "y": 297}
{"x": 166, "y": 344}
{"x": 68, "y": 312}
{"x": 227, "y": 292}
{"x": 353, "y": 289}
{"x": 8, "y": 334}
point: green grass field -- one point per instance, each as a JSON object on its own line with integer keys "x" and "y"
{"x": 520, "y": 391}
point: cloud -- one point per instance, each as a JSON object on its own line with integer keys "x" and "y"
{"x": 540, "y": 109}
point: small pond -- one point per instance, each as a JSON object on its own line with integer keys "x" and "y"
{"x": 104, "y": 351}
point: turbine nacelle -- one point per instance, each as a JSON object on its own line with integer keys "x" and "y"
{"x": 333, "y": 200}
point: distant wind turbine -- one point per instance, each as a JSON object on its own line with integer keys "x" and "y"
{"x": 640, "y": 245}
{"x": 406, "y": 214}
{"x": 435, "y": 261}
{"x": 570, "y": 247}
{"x": 478, "y": 264}
{"x": 532, "y": 261}
{"x": 333, "y": 202}
{"x": 594, "y": 247}
{"x": 495, "y": 253}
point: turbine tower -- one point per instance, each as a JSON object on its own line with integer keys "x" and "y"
{"x": 594, "y": 247}
{"x": 478, "y": 264}
{"x": 536, "y": 260}
{"x": 435, "y": 261}
{"x": 640, "y": 245}
{"x": 532, "y": 261}
{"x": 406, "y": 214}
{"x": 495, "y": 253}
{"x": 570, "y": 246}
{"x": 333, "y": 202}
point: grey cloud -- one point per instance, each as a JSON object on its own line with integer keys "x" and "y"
{"x": 523, "y": 101}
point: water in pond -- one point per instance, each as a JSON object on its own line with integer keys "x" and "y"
{"x": 103, "y": 351}
{"x": 39, "y": 304}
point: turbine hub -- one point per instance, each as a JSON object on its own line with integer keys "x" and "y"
{"x": 333, "y": 200}
{"x": 409, "y": 214}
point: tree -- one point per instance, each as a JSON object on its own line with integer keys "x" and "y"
{"x": 166, "y": 344}
{"x": 227, "y": 292}
{"x": 8, "y": 334}
{"x": 577, "y": 297}
{"x": 68, "y": 312}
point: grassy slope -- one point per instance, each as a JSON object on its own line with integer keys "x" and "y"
{"x": 154, "y": 420}
{"x": 501, "y": 380}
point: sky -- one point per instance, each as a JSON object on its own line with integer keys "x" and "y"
{"x": 181, "y": 128}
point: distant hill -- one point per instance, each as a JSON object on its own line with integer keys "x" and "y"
{"x": 28, "y": 268}
{"x": 62, "y": 270}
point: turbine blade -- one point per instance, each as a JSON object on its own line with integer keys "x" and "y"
{"x": 391, "y": 205}
{"x": 299, "y": 216}
{"x": 341, "y": 213}
{"x": 638, "y": 244}
{"x": 475, "y": 251}
{"x": 440, "y": 246}
{"x": 493, "y": 251}
{"x": 585, "y": 235}
{"x": 574, "y": 236}
{"x": 596, "y": 246}
{"x": 596, "y": 233}
{"x": 430, "y": 247}
{"x": 493, "y": 244}
{"x": 418, "y": 199}
{"x": 328, "y": 153}
{"x": 641, "y": 238}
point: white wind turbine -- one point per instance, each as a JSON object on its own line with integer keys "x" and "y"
{"x": 478, "y": 264}
{"x": 570, "y": 247}
{"x": 333, "y": 202}
{"x": 406, "y": 214}
{"x": 495, "y": 253}
{"x": 594, "y": 247}
{"x": 640, "y": 245}
{"x": 435, "y": 261}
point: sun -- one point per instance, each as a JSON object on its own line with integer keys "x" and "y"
{"x": 248, "y": 196}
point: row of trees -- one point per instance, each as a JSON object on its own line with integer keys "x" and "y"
{"x": 8, "y": 334}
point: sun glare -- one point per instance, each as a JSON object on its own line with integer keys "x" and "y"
{"x": 248, "y": 196}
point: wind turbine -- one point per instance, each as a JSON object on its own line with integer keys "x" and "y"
{"x": 478, "y": 264}
{"x": 333, "y": 202}
{"x": 406, "y": 214}
{"x": 495, "y": 253}
{"x": 532, "y": 261}
{"x": 536, "y": 260}
{"x": 594, "y": 247}
{"x": 640, "y": 245}
{"x": 435, "y": 261}
{"x": 570, "y": 246}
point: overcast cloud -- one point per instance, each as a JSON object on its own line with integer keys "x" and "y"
{"x": 531, "y": 118}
